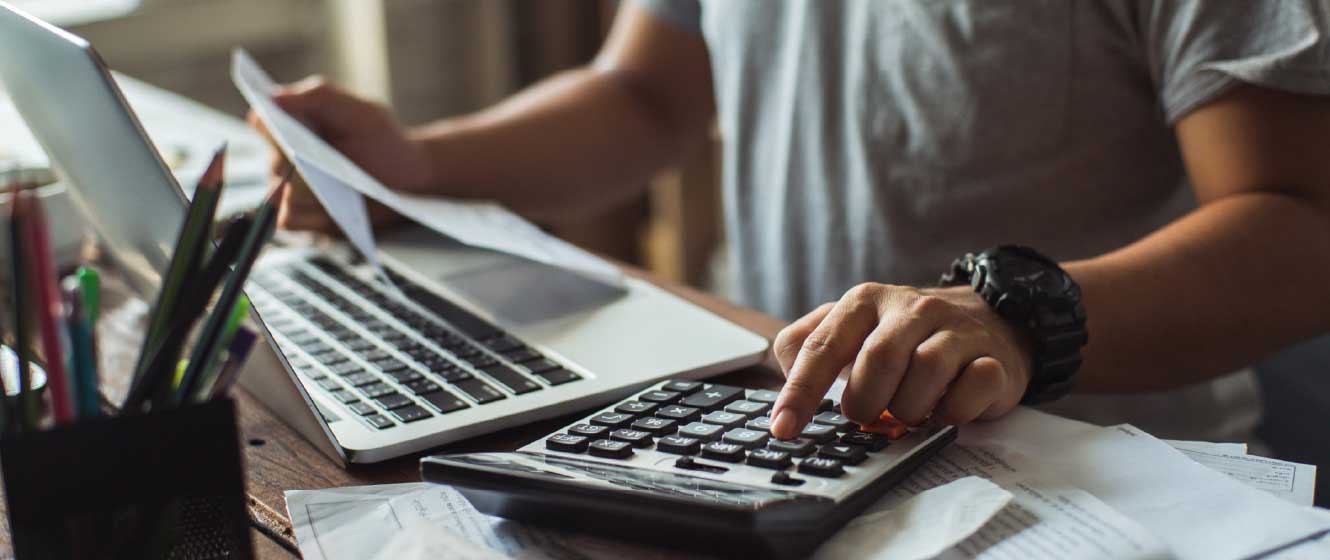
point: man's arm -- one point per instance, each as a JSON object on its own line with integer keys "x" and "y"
{"x": 585, "y": 136}
{"x": 1244, "y": 274}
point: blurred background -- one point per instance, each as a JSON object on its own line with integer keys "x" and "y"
{"x": 435, "y": 58}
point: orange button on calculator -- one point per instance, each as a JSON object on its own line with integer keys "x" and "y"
{"x": 887, "y": 425}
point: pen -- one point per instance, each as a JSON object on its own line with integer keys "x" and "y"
{"x": 48, "y": 309}
{"x": 228, "y": 335}
{"x": 205, "y": 351}
{"x": 236, "y": 355}
{"x": 27, "y": 408}
{"x": 81, "y": 355}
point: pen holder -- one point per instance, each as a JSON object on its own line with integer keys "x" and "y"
{"x": 160, "y": 485}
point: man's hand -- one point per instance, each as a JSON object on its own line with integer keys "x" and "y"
{"x": 365, "y": 132}
{"x": 942, "y": 354}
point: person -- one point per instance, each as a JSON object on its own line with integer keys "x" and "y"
{"x": 1167, "y": 154}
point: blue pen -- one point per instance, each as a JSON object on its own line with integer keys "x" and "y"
{"x": 81, "y": 367}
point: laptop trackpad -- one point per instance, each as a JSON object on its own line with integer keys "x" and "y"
{"x": 524, "y": 292}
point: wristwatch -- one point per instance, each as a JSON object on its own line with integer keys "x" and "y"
{"x": 1030, "y": 290}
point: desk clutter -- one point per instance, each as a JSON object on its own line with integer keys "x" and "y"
{"x": 167, "y": 479}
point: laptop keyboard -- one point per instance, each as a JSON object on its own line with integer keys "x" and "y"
{"x": 390, "y": 361}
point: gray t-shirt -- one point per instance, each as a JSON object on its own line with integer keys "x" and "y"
{"x": 877, "y": 140}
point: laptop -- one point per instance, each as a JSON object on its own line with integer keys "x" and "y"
{"x": 468, "y": 342}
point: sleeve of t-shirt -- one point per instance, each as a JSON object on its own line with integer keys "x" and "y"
{"x": 1198, "y": 49}
{"x": 684, "y": 14}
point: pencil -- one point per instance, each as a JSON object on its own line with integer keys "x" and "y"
{"x": 207, "y": 347}
{"x": 48, "y": 310}
{"x": 27, "y": 409}
{"x": 236, "y": 355}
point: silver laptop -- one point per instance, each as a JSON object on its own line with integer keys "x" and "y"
{"x": 475, "y": 341}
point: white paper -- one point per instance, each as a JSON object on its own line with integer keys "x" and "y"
{"x": 921, "y": 527}
{"x": 1197, "y": 512}
{"x": 1207, "y": 447}
{"x": 1292, "y": 482}
{"x": 480, "y": 224}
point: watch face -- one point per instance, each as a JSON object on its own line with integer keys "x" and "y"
{"x": 1034, "y": 274}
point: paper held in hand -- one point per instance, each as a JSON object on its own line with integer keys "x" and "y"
{"x": 340, "y": 186}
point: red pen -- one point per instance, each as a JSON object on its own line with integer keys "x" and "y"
{"x": 48, "y": 308}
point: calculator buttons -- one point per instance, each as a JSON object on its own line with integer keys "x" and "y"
{"x": 760, "y": 423}
{"x": 819, "y": 466}
{"x": 610, "y": 449}
{"x": 636, "y": 438}
{"x": 567, "y": 443}
{"x": 612, "y": 419}
{"x": 833, "y": 419}
{"x": 704, "y": 432}
{"x": 769, "y": 459}
{"x": 659, "y": 396}
{"x": 747, "y": 408}
{"x": 795, "y": 447}
{"x": 728, "y": 452}
{"x": 713, "y": 397}
{"x": 725, "y": 419}
{"x": 874, "y": 442}
{"x": 657, "y": 426}
{"x": 636, "y": 407}
{"x": 746, "y": 438}
{"x": 682, "y": 387}
{"x": 820, "y": 433}
{"x": 849, "y": 454}
{"x": 825, "y": 405}
{"x": 679, "y": 445}
{"x": 679, "y": 413}
{"x": 589, "y": 430}
{"x": 763, "y": 396}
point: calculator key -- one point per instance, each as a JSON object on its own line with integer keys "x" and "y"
{"x": 659, "y": 396}
{"x": 679, "y": 413}
{"x": 411, "y": 413}
{"x": 760, "y": 423}
{"x": 591, "y": 431}
{"x": 636, "y": 408}
{"x": 887, "y": 425}
{"x": 379, "y": 421}
{"x": 682, "y": 387}
{"x": 613, "y": 420}
{"x": 849, "y": 454}
{"x": 746, "y": 438}
{"x": 795, "y": 447}
{"x": 377, "y": 390}
{"x": 747, "y": 408}
{"x": 344, "y": 396}
{"x": 422, "y": 387}
{"x": 704, "y": 432}
{"x": 820, "y": 433}
{"x": 610, "y": 449}
{"x": 558, "y": 376}
{"x": 713, "y": 397}
{"x": 395, "y": 400}
{"x": 567, "y": 443}
{"x": 825, "y": 405}
{"x": 478, "y": 390}
{"x": 763, "y": 396}
{"x": 870, "y": 441}
{"x": 833, "y": 419}
{"x": 657, "y": 426}
{"x": 819, "y": 466}
{"x": 728, "y": 452}
{"x": 509, "y": 377}
{"x": 769, "y": 459}
{"x": 637, "y": 438}
{"x": 679, "y": 445}
{"x": 722, "y": 418}
{"x": 445, "y": 402}
{"x": 362, "y": 408}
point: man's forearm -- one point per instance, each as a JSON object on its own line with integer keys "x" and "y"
{"x": 1208, "y": 294}
{"x": 580, "y": 139}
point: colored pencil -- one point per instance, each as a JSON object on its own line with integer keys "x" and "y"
{"x": 48, "y": 311}
{"x": 27, "y": 406}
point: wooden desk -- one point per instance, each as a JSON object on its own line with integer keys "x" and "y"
{"x": 279, "y": 459}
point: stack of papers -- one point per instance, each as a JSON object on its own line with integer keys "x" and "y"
{"x": 1032, "y": 486}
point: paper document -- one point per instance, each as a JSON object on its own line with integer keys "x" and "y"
{"x": 1207, "y": 447}
{"x": 1292, "y": 482}
{"x": 479, "y": 224}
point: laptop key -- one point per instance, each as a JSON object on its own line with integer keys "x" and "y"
{"x": 379, "y": 421}
{"x": 454, "y": 374}
{"x": 411, "y": 413}
{"x": 511, "y": 379}
{"x": 537, "y": 366}
{"x": 377, "y": 390}
{"x": 713, "y": 397}
{"x": 405, "y": 376}
{"x": 482, "y": 361}
{"x": 361, "y": 378}
{"x": 344, "y": 396}
{"x": 329, "y": 384}
{"x": 479, "y": 390}
{"x": 445, "y": 402}
{"x": 522, "y": 355}
{"x": 394, "y": 400}
{"x": 346, "y": 369}
{"x": 375, "y": 354}
{"x": 679, "y": 445}
{"x": 389, "y": 364}
{"x": 568, "y": 443}
{"x": 558, "y": 376}
{"x": 422, "y": 387}
{"x": 362, "y": 408}
{"x": 504, "y": 343}
{"x": 610, "y": 449}
{"x": 464, "y": 320}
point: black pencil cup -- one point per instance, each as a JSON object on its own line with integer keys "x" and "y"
{"x": 161, "y": 485}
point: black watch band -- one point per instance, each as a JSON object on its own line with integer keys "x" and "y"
{"x": 1032, "y": 291}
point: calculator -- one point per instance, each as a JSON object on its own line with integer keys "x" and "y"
{"x": 692, "y": 465}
